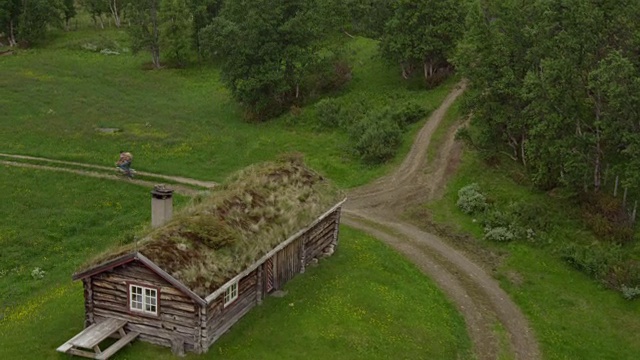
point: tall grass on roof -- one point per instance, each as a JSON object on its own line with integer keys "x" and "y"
{"x": 257, "y": 208}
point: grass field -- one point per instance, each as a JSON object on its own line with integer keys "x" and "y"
{"x": 365, "y": 302}
{"x": 573, "y": 316}
{"x": 180, "y": 122}
{"x": 372, "y": 302}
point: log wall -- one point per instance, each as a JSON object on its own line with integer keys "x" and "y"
{"x": 220, "y": 318}
{"x": 320, "y": 236}
{"x": 178, "y": 319}
{"x": 216, "y": 319}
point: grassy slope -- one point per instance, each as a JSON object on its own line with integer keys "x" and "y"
{"x": 179, "y": 122}
{"x": 52, "y": 221}
{"x": 572, "y": 316}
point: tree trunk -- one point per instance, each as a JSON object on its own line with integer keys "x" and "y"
{"x": 522, "y": 150}
{"x": 155, "y": 54}
{"x": 405, "y": 71}
{"x": 427, "y": 68}
{"x": 155, "y": 48}
{"x": 597, "y": 168}
{"x": 12, "y": 35}
{"x": 101, "y": 22}
{"x": 113, "y": 6}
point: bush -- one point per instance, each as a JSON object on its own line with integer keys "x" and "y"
{"x": 496, "y": 218}
{"x": 595, "y": 260}
{"x": 499, "y": 234}
{"x": 530, "y": 215}
{"x": 37, "y": 273}
{"x": 470, "y": 200}
{"x": 605, "y": 216}
{"x": 409, "y": 113}
{"x": 328, "y": 75}
{"x": 377, "y": 138}
{"x": 621, "y": 274}
{"x": 329, "y": 112}
{"x": 630, "y": 293}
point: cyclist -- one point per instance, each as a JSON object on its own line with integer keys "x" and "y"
{"x": 124, "y": 163}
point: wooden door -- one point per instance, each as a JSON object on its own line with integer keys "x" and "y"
{"x": 269, "y": 272}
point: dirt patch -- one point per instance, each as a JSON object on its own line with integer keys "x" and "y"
{"x": 108, "y": 130}
{"x": 377, "y": 207}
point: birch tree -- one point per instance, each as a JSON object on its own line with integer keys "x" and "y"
{"x": 145, "y": 28}
{"x": 422, "y": 34}
{"x": 556, "y": 81}
{"x": 267, "y": 48}
{"x": 175, "y": 29}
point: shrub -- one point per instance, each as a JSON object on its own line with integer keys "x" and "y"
{"x": 496, "y": 218}
{"x": 470, "y": 200}
{"x": 37, "y": 273}
{"x": 595, "y": 260}
{"x": 530, "y": 215}
{"x": 377, "y": 138}
{"x": 328, "y": 75}
{"x": 621, "y": 274}
{"x": 630, "y": 293}
{"x": 409, "y": 113}
{"x": 329, "y": 112}
{"x": 499, "y": 234}
{"x": 605, "y": 216}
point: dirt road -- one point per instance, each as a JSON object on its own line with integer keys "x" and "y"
{"x": 375, "y": 208}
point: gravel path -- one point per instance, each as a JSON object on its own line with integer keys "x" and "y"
{"x": 376, "y": 207}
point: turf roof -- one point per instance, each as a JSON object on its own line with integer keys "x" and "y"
{"x": 257, "y": 208}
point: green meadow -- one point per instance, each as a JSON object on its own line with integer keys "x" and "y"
{"x": 174, "y": 121}
{"x": 365, "y": 302}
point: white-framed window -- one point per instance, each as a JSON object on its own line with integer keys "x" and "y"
{"x": 231, "y": 293}
{"x": 143, "y": 299}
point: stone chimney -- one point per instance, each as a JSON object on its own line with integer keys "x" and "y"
{"x": 161, "y": 205}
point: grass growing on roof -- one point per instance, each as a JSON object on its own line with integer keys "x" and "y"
{"x": 257, "y": 208}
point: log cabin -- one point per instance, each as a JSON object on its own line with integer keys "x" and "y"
{"x": 195, "y": 274}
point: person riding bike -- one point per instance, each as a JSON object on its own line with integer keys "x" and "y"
{"x": 124, "y": 163}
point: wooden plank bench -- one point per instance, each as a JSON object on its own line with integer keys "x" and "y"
{"x": 92, "y": 336}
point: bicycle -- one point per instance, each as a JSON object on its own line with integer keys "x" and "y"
{"x": 127, "y": 173}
